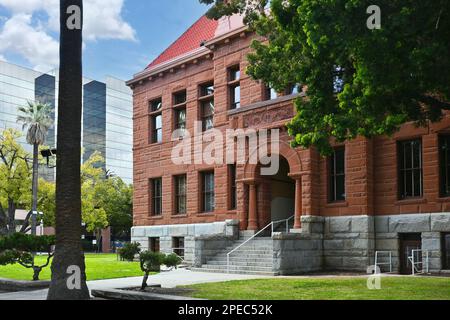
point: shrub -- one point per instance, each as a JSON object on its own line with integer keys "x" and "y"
{"x": 150, "y": 262}
{"x": 129, "y": 251}
{"x": 172, "y": 261}
{"x": 20, "y": 248}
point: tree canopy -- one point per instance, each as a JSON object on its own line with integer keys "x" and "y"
{"x": 15, "y": 179}
{"x": 359, "y": 81}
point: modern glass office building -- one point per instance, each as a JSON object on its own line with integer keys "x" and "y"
{"x": 107, "y": 114}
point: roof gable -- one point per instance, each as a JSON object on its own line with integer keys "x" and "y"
{"x": 202, "y": 30}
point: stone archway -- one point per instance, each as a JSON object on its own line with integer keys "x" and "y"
{"x": 260, "y": 196}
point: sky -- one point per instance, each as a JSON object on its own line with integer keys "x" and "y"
{"x": 120, "y": 37}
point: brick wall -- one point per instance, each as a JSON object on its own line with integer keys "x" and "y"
{"x": 371, "y": 165}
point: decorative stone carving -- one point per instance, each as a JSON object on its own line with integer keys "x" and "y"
{"x": 256, "y": 119}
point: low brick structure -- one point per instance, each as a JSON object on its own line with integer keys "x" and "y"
{"x": 382, "y": 194}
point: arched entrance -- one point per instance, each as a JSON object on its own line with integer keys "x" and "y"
{"x": 282, "y": 193}
{"x": 276, "y": 197}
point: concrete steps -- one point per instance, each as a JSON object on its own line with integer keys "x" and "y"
{"x": 253, "y": 258}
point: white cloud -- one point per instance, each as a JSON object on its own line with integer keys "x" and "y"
{"x": 31, "y": 35}
{"x": 18, "y": 36}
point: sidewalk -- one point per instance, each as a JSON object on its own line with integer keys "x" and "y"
{"x": 165, "y": 279}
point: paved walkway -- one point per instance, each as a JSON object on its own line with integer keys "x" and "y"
{"x": 165, "y": 279}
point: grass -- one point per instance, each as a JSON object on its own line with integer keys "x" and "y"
{"x": 98, "y": 267}
{"x": 392, "y": 288}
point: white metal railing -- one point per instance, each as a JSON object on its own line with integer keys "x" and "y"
{"x": 377, "y": 260}
{"x": 275, "y": 223}
{"x": 270, "y": 225}
{"x": 417, "y": 259}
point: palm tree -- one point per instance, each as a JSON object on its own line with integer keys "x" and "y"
{"x": 36, "y": 117}
{"x": 68, "y": 267}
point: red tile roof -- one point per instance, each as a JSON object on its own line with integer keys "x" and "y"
{"x": 202, "y": 30}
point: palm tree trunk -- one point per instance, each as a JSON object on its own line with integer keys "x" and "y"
{"x": 68, "y": 267}
{"x": 35, "y": 187}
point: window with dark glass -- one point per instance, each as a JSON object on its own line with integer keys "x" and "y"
{"x": 156, "y": 105}
{"x": 156, "y": 201}
{"x": 294, "y": 89}
{"x": 270, "y": 93}
{"x": 337, "y": 175}
{"x": 180, "y": 120}
{"x": 156, "y": 121}
{"x": 234, "y": 87}
{"x": 155, "y": 245}
{"x": 207, "y": 114}
{"x": 208, "y": 203}
{"x": 206, "y": 100}
{"x": 178, "y": 246}
{"x": 233, "y": 186}
{"x": 446, "y": 251}
{"x": 207, "y": 89}
{"x": 410, "y": 169}
{"x": 179, "y": 98}
{"x": 180, "y": 194}
{"x": 444, "y": 165}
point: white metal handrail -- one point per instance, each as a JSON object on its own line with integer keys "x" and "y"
{"x": 282, "y": 221}
{"x": 254, "y": 236}
{"x": 377, "y": 253}
{"x": 414, "y": 263}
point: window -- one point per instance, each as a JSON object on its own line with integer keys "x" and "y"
{"x": 180, "y": 194}
{"x": 270, "y": 94}
{"x": 444, "y": 165}
{"x": 446, "y": 251}
{"x": 234, "y": 87}
{"x": 180, "y": 121}
{"x": 410, "y": 169}
{"x": 156, "y": 121}
{"x": 207, "y": 114}
{"x": 233, "y": 186}
{"x": 337, "y": 175}
{"x": 156, "y": 105}
{"x": 179, "y": 98}
{"x": 179, "y": 105}
{"x": 178, "y": 246}
{"x": 235, "y": 96}
{"x": 156, "y": 200}
{"x": 207, "y": 106}
{"x": 234, "y": 73}
{"x": 294, "y": 89}
{"x": 208, "y": 192}
{"x": 156, "y": 128}
{"x": 207, "y": 89}
{"x": 154, "y": 245}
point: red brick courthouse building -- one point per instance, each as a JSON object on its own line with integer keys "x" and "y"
{"x": 390, "y": 195}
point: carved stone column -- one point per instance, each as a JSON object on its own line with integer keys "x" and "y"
{"x": 298, "y": 203}
{"x": 252, "y": 207}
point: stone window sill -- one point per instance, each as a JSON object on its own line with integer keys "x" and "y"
{"x": 444, "y": 199}
{"x": 156, "y": 217}
{"x": 340, "y": 204}
{"x": 179, "y": 216}
{"x": 410, "y": 201}
{"x": 206, "y": 214}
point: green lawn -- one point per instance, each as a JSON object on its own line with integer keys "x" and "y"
{"x": 392, "y": 288}
{"x": 98, "y": 267}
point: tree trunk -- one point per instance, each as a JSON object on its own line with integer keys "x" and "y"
{"x": 144, "y": 281}
{"x": 11, "y": 216}
{"x": 35, "y": 188}
{"x": 68, "y": 267}
{"x": 36, "y": 272}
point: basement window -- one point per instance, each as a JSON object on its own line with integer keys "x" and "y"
{"x": 178, "y": 246}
